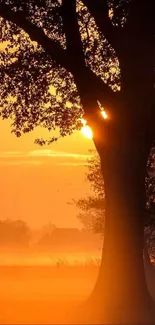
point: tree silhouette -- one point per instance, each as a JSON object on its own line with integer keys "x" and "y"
{"x": 150, "y": 204}
{"x": 16, "y": 233}
{"x": 92, "y": 207}
{"x": 95, "y": 53}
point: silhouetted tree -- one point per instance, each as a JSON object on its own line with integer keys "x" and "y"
{"x": 92, "y": 207}
{"x": 16, "y": 233}
{"x": 92, "y": 216}
{"x": 88, "y": 50}
{"x": 150, "y": 204}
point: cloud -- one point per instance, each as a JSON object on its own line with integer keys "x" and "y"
{"x": 44, "y": 153}
{"x": 61, "y": 154}
{"x": 43, "y": 156}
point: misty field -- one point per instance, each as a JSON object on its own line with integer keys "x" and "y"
{"x": 45, "y": 294}
{"x": 44, "y": 288}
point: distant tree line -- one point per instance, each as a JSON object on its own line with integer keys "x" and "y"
{"x": 14, "y": 233}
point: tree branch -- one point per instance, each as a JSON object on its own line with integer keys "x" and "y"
{"x": 103, "y": 92}
{"x": 88, "y": 83}
{"x": 71, "y": 29}
{"x": 72, "y": 59}
{"x": 141, "y": 17}
{"x": 10, "y": 68}
{"x": 57, "y": 53}
{"x": 99, "y": 10}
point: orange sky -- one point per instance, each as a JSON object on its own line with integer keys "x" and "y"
{"x": 36, "y": 183}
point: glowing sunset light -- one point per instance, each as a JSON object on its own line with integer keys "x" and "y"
{"x": 86, "y": 130}
{"x": 104, "y": 114}
{"x": 84, "y": 122}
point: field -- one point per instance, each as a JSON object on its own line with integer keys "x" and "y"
{"x": 44, "y": 294}
{"x": 49, "y": 289}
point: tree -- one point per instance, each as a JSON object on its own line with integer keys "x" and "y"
{"x": 149, "y": 233}
{"x": 96, "y": 53}
{"x": 92, "y": 207}
{"x": 14, "y": 233}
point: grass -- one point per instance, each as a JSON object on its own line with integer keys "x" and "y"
{"x": 45, "y": 294}
{"x": 87, "y": 263}
{"x": 49, "y": 294}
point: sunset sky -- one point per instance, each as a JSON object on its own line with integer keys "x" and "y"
{"x": 36, "y": 183}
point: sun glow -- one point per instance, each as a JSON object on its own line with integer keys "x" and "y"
{"x": 86, "y": 130}
{"x": 104, "y": 114}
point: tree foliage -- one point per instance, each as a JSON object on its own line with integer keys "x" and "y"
{"x": 46, "y": 46}
{"x": 92, "y": 207}
{"x": 14, "y": 233}
{"x": 36, "y": 64}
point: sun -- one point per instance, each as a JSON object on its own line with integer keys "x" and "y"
{"x": 86, "y": 130}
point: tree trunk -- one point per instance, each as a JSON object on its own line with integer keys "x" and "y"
{"x": 120, "y": 295}
{"x": 146, "y": 257}
{"x": 149, "y": 272}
